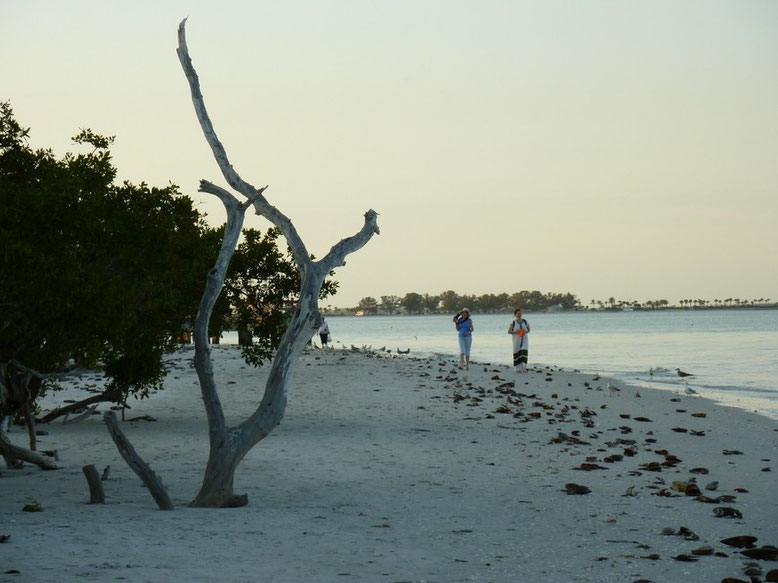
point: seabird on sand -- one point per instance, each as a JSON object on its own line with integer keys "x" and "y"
{"x": 612, "y": 389}
{"x": 682, "y": 374}
{"x": 689, "y": 391}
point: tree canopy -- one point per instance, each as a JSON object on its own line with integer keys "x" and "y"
{"x": 94, "y": 273}
{"x": 91, "y": 271}
{"x": 450, "y": 301}
{"x": 261, "y": 288}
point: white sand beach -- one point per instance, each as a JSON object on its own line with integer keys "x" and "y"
{"x": 397, "y": 469}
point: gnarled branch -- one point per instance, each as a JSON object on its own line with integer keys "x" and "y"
{"x": 230, "y": 445}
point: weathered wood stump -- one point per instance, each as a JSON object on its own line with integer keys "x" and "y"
{"x": 96, "y": 492}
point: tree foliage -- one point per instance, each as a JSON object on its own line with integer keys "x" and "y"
{"x": 390, "y": 303}
{"x": 368, "y": 305}
{"x": 450, "y": 301}
{"x": 90, "y": 271}
{"x": 260, "y": 291}
{"x": 413, "y": 303}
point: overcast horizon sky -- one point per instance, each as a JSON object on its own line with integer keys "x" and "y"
{"x": 602, "y": 148}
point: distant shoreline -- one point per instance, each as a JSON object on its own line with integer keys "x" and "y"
{"x": 354, "y": 312}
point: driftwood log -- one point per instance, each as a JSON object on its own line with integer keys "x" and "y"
{"x": 136, "y": 463}
{"x": 96, "y": 492}
{"x": 14, "y": 455}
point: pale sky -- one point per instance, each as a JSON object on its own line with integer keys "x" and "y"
{"x": 600, "y": 147}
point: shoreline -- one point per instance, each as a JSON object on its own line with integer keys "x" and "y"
{"x": 741, "y": 401}
{"x": 390, "y": 468}
{"x": 625, "y": 346}
{"x": 353, "y": 313}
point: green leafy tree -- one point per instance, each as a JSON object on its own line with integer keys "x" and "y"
{"x": 260, "y": 292}
{"x": 567, "y": 300}
{"x": 368, "y": 305}
{"x": 390, "y": 304}
{"x": 431, "y": 303}
{"x": 413, "y": 303}
{"x": 92, "y": 272}
{"x": 492, "y": 303}
{"x": 471, "y": 302}
{"x": 449, "y": 301}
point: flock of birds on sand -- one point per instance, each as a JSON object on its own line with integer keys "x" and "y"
{"x": 612, "y": 389}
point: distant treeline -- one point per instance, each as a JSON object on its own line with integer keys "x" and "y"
{"x": 450, "y": 302}
{"x": 529, "y": 301}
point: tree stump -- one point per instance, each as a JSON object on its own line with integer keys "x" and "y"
{"x": 96, "y": 493}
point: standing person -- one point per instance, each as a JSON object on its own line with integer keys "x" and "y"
{"x": 324, "y": 332}
{"x": 519, "y": 329}
{"x": 464, "y": 325}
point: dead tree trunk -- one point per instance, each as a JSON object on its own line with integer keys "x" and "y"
{"x": 228, "y": 445}
{"x": 19, "y": 387}
{"x": 96, "y": 492}
{"x": 14, "y": 454}
{"x": 136, "y": 463}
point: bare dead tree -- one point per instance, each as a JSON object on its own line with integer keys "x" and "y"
{"x": 228, "y": 445}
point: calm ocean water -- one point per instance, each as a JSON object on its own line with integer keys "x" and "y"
{"x": 732, "y": 353}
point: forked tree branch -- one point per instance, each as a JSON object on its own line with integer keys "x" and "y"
{"x": 230, "y": 445}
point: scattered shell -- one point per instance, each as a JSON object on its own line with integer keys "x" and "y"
{"x": 765, "y": 553}
{"x": 572, "y": 488}
{"x": 688, "y": 488}
{"x": 727, "y": 512}
{"x": 687, "y": 533}
{"x": 588, "y": 466}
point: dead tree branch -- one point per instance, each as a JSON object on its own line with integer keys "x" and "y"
{"x": 136, "y": 463}
{"x": 229, "y": 445}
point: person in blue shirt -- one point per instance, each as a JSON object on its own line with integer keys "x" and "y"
{"x": 464, "y": 326}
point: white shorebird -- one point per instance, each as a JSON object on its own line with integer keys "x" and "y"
{"x": 682, "y": 374}
{"x": 612, "y": 389}
{"x": 689, "y": 391}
